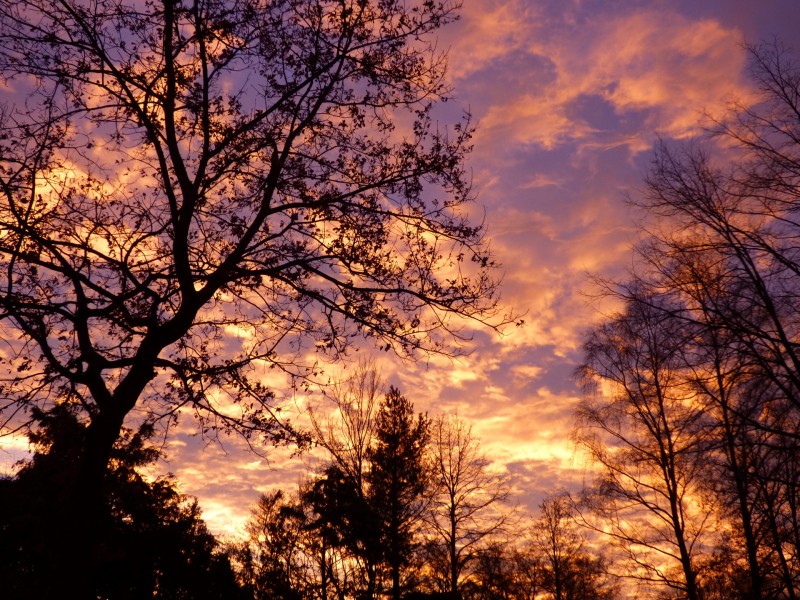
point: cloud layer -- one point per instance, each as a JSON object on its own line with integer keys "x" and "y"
{"x": 569, "y": 97}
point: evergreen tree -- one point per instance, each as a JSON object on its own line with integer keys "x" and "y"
{"x": 397, "y": 479}
{"x": 271, "y": 560}
{"x": 154, "y": 542}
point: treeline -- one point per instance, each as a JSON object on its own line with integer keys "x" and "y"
{"x": 405, "y": 506}
{"x": 693, "y": 410}
{"x": 401, "y": 506}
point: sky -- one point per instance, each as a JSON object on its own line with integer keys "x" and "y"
{"x": 569, "y": 97}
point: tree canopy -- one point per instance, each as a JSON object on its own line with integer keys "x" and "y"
{"x": 153, "y": 541}
{"x": 694, "y": 392}
{"x": 195, "y": 192}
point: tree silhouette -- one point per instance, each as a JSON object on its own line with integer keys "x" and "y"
{"x": 340, "y": 496}
{"x": 195, "y": 192}
{"x": 345, "y": 520}
{"x": 348, "y": 435}
{"x": 360, "y": 517}
{"x": 466, "y": 506}
{"x": 707, "y": 343}
{"x": 398, "y": 479}
{"x": 271, "y": 561}
{"x": 645, "y": 434}
{"x": 153, "y": 540}
{"x": 569, "y": 570}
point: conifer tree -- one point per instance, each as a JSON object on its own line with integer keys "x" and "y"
{"x": 398, "y": 479}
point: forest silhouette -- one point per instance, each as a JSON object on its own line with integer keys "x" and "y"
{"x": 181, "y": 170}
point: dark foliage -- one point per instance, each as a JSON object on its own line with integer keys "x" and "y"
{"x": 152, "y": 541}
{"x": 397, "y": 480}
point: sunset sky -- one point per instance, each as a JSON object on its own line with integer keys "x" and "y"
{"x": 569, "y": 97}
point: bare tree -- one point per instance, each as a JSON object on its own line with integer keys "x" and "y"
{"x": 738, "y": 275}
{"x": 741, "y": 218}
{"x": 569, "y": 570}
{"x": 645, "y": 435}
{"x": 720, "y": 264}
{"x": 496, "y": 575}
{"x": 348, "y": 434}
{"x": 197, "y": 191}
{"x": 466, "y": 508}
{"x": 558, "y": 542}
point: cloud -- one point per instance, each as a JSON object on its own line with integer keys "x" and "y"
{"x": 568, "y": 97}
{"x": 488, "y": 31}
{"x": 616, "y": 77}
{"x": 14, "y": 447}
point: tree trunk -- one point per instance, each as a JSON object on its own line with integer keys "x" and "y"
{"x": 453, "y": 552}
{"x": 323, "y": 567}
{"x": 86, "y": 515}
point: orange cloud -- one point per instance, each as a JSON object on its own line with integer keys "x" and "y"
{"x": 648, "y": 61}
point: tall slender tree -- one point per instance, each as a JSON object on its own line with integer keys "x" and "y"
{"x": 720, "y": 264}
{"x": 467, "y": 504}
{"x": 644, "y": 427}
{"x": 347, "y": 435}
{"x": 398, "y": 478}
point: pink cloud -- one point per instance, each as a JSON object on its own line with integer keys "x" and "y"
{"x": 568, "y": 98}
